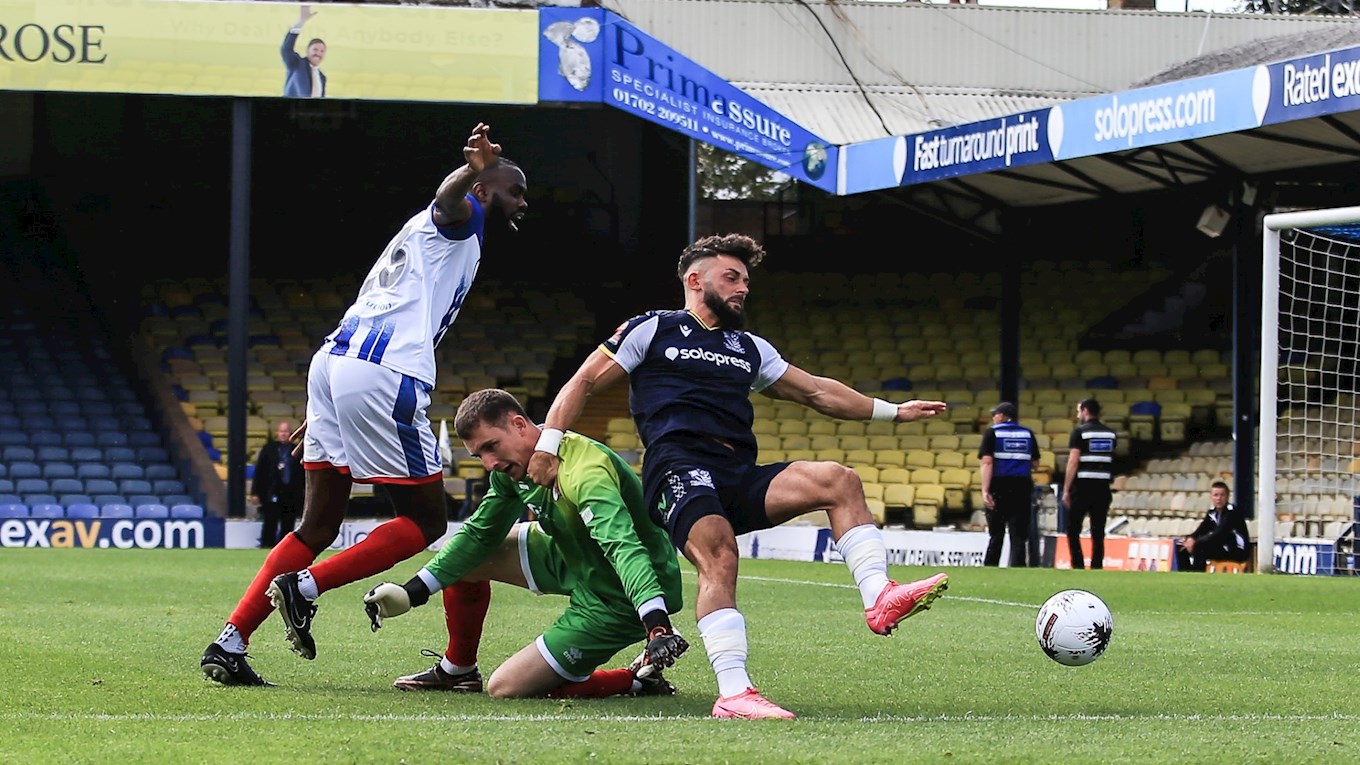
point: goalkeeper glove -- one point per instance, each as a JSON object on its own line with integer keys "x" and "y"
{"x": 664, "y": 644}
{"x": 388, "y": 600}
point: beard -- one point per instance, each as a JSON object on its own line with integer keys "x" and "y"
{"x": 728, "y": 317}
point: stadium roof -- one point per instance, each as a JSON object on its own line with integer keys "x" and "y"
{"x": 858, "y": 71}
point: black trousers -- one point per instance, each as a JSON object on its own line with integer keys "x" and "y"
{"x": 1090, "y": 498}
{"x": 277, "y": 520}
{"x": 1010, "y": 515}
{"x": 1199, "y": 559}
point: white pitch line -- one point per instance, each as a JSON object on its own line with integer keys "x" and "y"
{"x": 577, "y": 717}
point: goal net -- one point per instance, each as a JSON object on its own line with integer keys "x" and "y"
{"x": 1310, "y": 343}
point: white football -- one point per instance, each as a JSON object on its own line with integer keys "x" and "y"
{"x": 1074, "y": 627}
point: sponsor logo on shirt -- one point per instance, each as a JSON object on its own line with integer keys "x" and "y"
{"x": 699, "y": 477}
{"x": 685, "y": 330}
{"x": 718, "y": 359}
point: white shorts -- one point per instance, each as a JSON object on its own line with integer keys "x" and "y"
{"x": 369, "y": 421}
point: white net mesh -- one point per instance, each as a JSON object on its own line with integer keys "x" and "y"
{"x": 1317, "y": 414}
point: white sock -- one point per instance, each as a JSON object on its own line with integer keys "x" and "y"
{"x": 455, "y": 669}
{"x": 724, "y": 635}
{"x": 307, "y": 585}
{"x": 867, "y": 558}
{"x": 231, "y": 639}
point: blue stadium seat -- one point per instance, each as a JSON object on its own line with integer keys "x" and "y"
{"x": 32, "y": 486}
{"x": 56, "y": 471}
{"x": 6, "y": 486}
{"x": 87, "y": 454}
{"x": 135, "y": 422}
{"x": 47, "y": 510}
{"x": 19, "y": 470}
{"x": 67, "y": 423}
{"x": 35, "y": 423}
{"x": 13, "y": 438}
{"x": 114, "y": 454}
{"x": 165, "y": 486}
{"x": 78, "y": 439}
{"x": 96, "y": 408}
{"x": 151, "y": 511}
{"x": 186, "y": 511}
{"x": 63, "y": 408}
{"x": 82, "y": 511}
{"x": 53, "y": 454}
{"x": 109, "y": 438}
{"x": 116, "y": 510}
{"x": 66, "y": 500}
{"x": 4, "y": 470}
{"x": 66, "y": 486}
{"x": 87, "y": 470}
{"x": 110, "y": 499}
{"x": 9, "y": 422}
{"x": 122, "y": 470}
{"x": 145, "y": 499}
{"x": 13, "y": 510}
{"x": 151, "y": 455}
{"x": 18, "y": 454}
{"x": 178, "y": 499}
{"x": 134, "y": 486}
{"x": 104, "y": 424}
{"x": 38, "y": 499}
{"x": 161, "y": 472}
{"x": 139, "y": 438}
{"x": 45, "y": 438}
{"x": 101, "y": 486}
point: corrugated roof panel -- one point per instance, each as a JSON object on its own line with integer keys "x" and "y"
{"x": 845, "y": 115}
{"x": 820, "y": 42}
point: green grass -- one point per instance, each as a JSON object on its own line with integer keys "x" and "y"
{"x": 99, "y": 658}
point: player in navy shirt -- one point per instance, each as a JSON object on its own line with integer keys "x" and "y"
{"x": 691, "y": 373}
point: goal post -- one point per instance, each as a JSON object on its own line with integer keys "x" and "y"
{"x": 1310, "y": 317}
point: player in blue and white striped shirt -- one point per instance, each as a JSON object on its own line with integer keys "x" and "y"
{"x": 367, "y": 390}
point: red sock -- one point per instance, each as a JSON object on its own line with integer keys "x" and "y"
{"x": 289, "y": 555}
{"x": 386, "y": 546}
{"x": 602, "y": 682}
{"x": 465, "y": 605}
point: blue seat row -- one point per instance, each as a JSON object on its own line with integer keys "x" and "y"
{"x": 91, "y": 486}
{"x": 90, "y": 510}
{"x": 61, "y": 469}
{"x": 30, "y": 500}
{"x": 86, "y": 438}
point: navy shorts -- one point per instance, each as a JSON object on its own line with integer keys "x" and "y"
{"x": 687, "y": 478}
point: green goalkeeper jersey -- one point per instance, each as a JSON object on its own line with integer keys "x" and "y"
{"x": 598, "y": 521}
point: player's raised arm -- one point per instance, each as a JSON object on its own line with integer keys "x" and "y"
{"x": 450, "y": 201}
{"x": 597, "y": 372}
{"x": 836, "y": 399}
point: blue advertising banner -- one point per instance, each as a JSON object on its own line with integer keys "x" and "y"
{"x": 1313, "y": 85}
{"x": 1298, "y": 556}
{"x": 117, "y": 533}
{"x": 1194, "y": 108}
{"x": 592, "y": 55}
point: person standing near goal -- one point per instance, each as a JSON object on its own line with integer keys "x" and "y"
{"x": 1009, "y": 453}
{"x": 691, "y": 373}
{"x": 367, "y": 390}
{"x": 1086, "y": 482}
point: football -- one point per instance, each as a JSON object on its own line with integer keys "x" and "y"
{"x": 1074, "y": 627}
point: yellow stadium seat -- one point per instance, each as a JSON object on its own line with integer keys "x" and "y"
{"x": 865, "y": 457}
{"x": 868, "y": 474}
{"x": 899, "y": 495}
{"x": 894, "y": 475}
{"x": 920, "y": 458}
{"x": 925, "y": 511}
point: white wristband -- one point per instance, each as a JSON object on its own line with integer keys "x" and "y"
{"x": 549, "y": 441}
{"x": 884, "y": 411}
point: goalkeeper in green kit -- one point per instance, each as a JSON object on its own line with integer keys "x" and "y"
{"x": 592, "y": 540}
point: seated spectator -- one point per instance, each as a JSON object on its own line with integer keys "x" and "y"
{"x": 1222, "y": 535}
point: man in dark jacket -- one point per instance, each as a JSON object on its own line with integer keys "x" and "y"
{"x": 278, "y": 486}
{"x": 1222, "y": 535}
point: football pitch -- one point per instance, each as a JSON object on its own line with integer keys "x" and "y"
{"x": 101, "y": 647}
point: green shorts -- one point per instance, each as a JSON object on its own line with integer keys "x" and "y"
{"x": 590, "y": 631}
